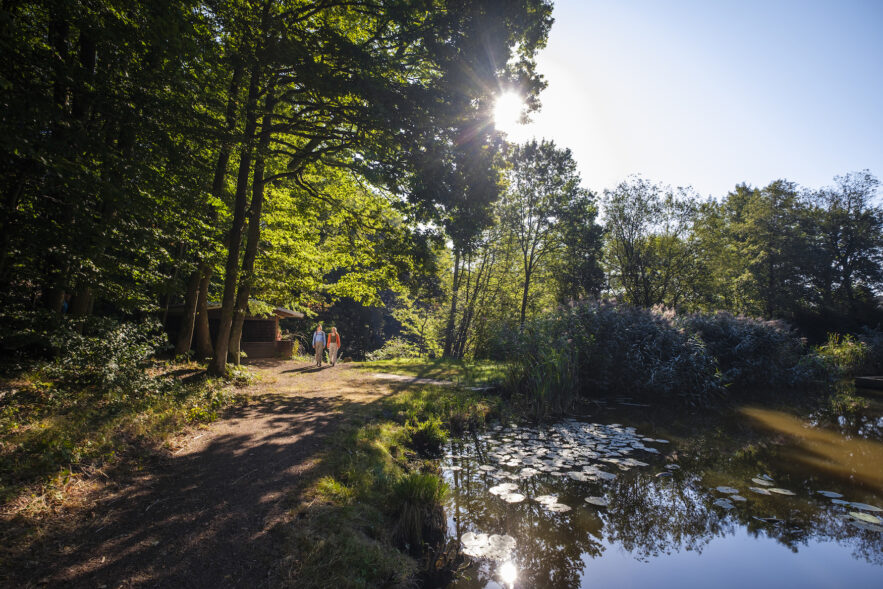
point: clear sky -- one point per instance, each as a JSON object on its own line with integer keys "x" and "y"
{"x": 713, "y": 93}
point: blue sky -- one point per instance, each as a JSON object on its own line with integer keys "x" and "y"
{"x": 713, "y": 93}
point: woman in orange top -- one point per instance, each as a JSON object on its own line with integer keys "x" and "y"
{"x": 333, "y": 345}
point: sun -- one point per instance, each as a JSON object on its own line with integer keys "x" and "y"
{"x": 507, "y": 111}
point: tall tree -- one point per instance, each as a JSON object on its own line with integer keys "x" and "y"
{"x": 542, "y": 184}
{"x": 649, "y": 252}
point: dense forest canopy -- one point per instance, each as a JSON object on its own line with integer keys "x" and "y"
{"x": 340, "y": 159}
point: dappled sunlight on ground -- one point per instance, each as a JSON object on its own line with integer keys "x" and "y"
{"x": 202, "y": 515}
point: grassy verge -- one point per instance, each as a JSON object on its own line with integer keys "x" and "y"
{"x": 460, "y": 371}
{"x": 51, "y": 434}
{"x": 372, "y": 517}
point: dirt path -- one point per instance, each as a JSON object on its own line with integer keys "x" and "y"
{"x": 204, "y": 515}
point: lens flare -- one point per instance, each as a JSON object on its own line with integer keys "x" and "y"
{"x": 508, "y": 573}
{"x": 507, "y": 111}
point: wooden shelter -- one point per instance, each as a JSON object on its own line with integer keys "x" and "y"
{"x": 261, "y": 336}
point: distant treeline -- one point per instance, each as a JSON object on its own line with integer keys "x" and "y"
{"x": 812, "y": 257}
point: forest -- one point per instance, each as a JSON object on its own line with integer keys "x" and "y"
{"x": 204, "y": 162}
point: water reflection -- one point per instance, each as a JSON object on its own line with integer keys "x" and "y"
{"x": 653, "y": 518}
{"x": 852, "y": 458}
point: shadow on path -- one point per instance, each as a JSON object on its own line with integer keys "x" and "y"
{"x": 203, "y": 518}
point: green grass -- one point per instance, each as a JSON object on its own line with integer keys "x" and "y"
{"x": 375, "y": 500}
{"x": 48, "y": 433}
{"x": 466, "y": 372}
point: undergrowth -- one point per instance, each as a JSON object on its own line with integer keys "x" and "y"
{"x": 375, "y": 511}
{"x": 102, "y": 396}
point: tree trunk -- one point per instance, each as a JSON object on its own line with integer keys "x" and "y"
{"x": 81, "y": 302}
{"x": 188, "y": 319}
{"x": 234, "y": 239}
{"x": 254, "y": 232}
{"x": 203, "y": 345}
{"x": 524, "y": 293}
{"x": 449, "y": 328}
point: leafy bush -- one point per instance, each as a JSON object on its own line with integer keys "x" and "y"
{"x": 845, "y": 355}
{"x": 610, "y": 349}
{"x": 750, "y": 352}
{"x": 111, "y": 358}
{"x": 394, "y": 348}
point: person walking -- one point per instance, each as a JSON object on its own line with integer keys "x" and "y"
{"x": 319, "y": 344}
{"x": 333, "y": 345}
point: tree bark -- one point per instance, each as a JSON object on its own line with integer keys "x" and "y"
{"x": 188, "y": 319}
{"x": 203, "y": 344}
{"x": 253, "y": 237}
{"x": 231, "y": 274}
{"x": 449, "y": 328}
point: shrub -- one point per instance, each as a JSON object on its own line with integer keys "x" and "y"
{"x": 418, "y": 498}
{"x": 427, "y": 438}
{"x": 394, "y": 348}
{"x": 609, "y": 349}
{"x": 111, "y": 358}
{"x": 750, "y": 352}
{"x": 845, "y": 355}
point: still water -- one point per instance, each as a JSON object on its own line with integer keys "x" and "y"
{"x": 798, "y": 507}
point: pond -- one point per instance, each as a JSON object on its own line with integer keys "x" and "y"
{"x": 578, "y": 504}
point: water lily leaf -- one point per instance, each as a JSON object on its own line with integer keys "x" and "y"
{"x": 512, "y": 497}
{"x": 866, "y": 526}
{"x": 866, "y": 507}
{"x": 606, "y": 476}
{"x": 546, "y": 499}
{"x": 557, "y": 507}
{"x": 761, "y": 482}
{"x": 830, "y": 494}
{"x": 599, "y": 501}
{"x": 728, "y": 490}
{"x": 737, "y": 498}
{"x": 840, "y": 502}
{"x": 502, "y": 488}
{"x": 672, "y": 466}
{"x": 866, "y": 517}
{"x": 724, "y": 503}
{"x": 759, "y": 490}
{"x": 782, "y": 491}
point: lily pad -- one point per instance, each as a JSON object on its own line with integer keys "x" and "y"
{"x": 830, "y": 494}
{"x": 727, "y": 490}
{"x": 866, "y": 507}
{"x": 599, "y": 501}
{"x": 557, "y": 507}
{"x": 512, "y": 497}
{"x": 759, "y": 490}
{"x": 761, "y": 482}
{"x": 502, "y": 489}
{"x": 724, "y": 503}
{"x": 866, "y": 526}
{"x": 672, "y": 466}
{"x": 494, "y": 547}
{"x": 737, "y": 498}
{"x": 546, "y": 499}
{"x": 866, "y": 517}
{"x": 779, "y": 491}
